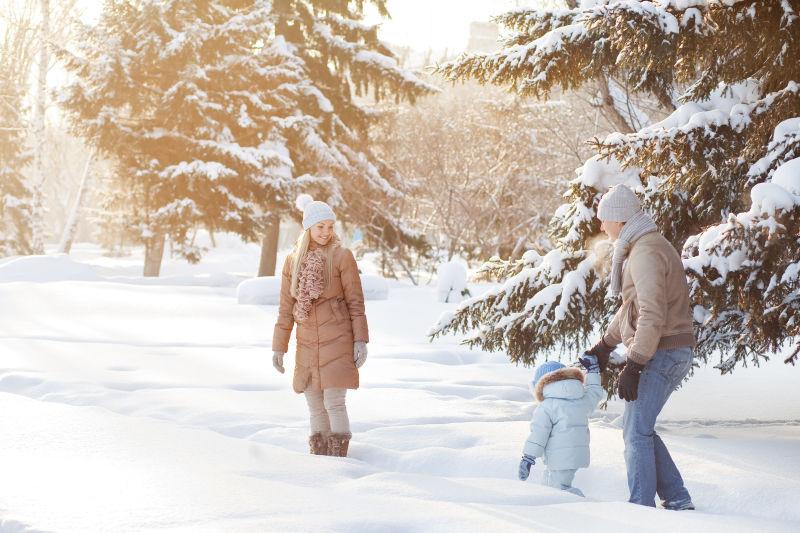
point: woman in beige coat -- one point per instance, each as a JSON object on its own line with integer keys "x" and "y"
{"x": 321, "y": 292}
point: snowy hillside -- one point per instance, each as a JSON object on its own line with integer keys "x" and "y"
{"x": 133, "y": 406}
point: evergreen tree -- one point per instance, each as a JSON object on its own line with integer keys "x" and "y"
{"x": 720, "y": 174}
{"x": 15, "y": 193}
{"x": 213, "y": 115}
{"x": 346, "y": 62}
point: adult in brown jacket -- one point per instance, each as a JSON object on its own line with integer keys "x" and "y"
{"x": 321, "y": 293}
{"x": 655, "y": 324}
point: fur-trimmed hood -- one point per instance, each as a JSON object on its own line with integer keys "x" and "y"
{"x": 555, "y": 376}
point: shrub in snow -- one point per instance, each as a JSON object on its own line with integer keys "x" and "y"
{"x": 451, "y": 285}
{"x": 719, "y": 174}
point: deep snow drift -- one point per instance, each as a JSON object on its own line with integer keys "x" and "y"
{"x": 130, "y": 404}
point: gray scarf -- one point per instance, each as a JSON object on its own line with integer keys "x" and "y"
{"x": 638, "y": 225}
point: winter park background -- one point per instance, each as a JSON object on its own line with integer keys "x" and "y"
{"x": 150, "y": 157}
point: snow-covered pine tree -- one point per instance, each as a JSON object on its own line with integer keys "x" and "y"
{"x": 721, "y": 174}
{"x": 346, "y": 63}
{"x": 179, "y": 97}
{"x": 221, "y": 112}
{"x": 15, "y": 193}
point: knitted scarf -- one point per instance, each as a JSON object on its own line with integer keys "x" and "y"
{"x": 310, "y": 284}
{"x": 638, "y": 225}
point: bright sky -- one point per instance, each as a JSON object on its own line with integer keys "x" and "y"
{"x": 437, "y": 24}
{"x": 419, "y": 24}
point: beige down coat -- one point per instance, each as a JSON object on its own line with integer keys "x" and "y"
{"x": 655, "y": 312}
{"x": 324, "y": 357}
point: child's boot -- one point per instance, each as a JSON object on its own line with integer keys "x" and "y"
{"x": 574, "y": 490}
{"x": 338, "y": 444}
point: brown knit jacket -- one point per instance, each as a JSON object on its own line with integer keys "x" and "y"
{"x": 655, "y": 310}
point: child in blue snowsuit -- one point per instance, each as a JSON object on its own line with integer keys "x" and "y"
{"x": 560, "y": 423}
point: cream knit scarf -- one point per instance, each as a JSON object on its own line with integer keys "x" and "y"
{"x": 638, "y": 225}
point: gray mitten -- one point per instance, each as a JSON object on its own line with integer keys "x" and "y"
{"x": 359, "y": 353}
{"x": 277, "y": 361}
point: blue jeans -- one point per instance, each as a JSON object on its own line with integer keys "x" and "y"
{"x": 651, "y": 470}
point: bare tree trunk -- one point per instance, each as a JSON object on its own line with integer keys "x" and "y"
{"x": 269, "y": 247}
{"x": 609, "y": 109}
{"x": 607, "y": 103}
{"x": 516, "y": 253}
{"x": 37, "y": 239}
{"x": 71, "y": 228}
{"x": 406, "y": 268}
{"x": 153, "y": 254}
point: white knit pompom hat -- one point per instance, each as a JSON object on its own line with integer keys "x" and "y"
{"x": 314, "y": 211}
{"x": 619, "y": 204}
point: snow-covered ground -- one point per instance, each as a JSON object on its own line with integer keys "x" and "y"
{"x": 134, "y": 405}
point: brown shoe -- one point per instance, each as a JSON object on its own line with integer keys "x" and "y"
{"x": 317, "y": 444}
{"x": 338, "y": 444}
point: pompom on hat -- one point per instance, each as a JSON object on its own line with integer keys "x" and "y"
{"x": 314, "y": 211}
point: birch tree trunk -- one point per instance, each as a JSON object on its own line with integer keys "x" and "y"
{"x": 37, "y": 240}
{"x": 71, "y": 227}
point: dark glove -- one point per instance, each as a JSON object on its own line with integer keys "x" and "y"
{"x": 589, "y": 362}
{"x": 602, "y": 351}
{"x": 628, "y": 387}
{"x": 525, "y": 467}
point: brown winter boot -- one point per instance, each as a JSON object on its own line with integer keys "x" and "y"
{"x": 317, "y": 444}
{"x": 338, "y": 444}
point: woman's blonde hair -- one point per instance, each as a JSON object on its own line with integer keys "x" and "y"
{"x": 301, "y": 248}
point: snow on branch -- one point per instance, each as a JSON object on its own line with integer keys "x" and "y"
{"x": 365, "y": 63}
{"x": 547, "y": 305}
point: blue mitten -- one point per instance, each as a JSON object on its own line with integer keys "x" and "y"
{"x": 525, "y": 467}
{"x": 589, "y": 362}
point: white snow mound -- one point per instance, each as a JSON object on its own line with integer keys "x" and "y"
{"x": 259, "y": 291}
{"x": 43, "y": 268}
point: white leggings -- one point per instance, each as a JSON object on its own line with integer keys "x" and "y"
{"x": 328, "y": 411}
